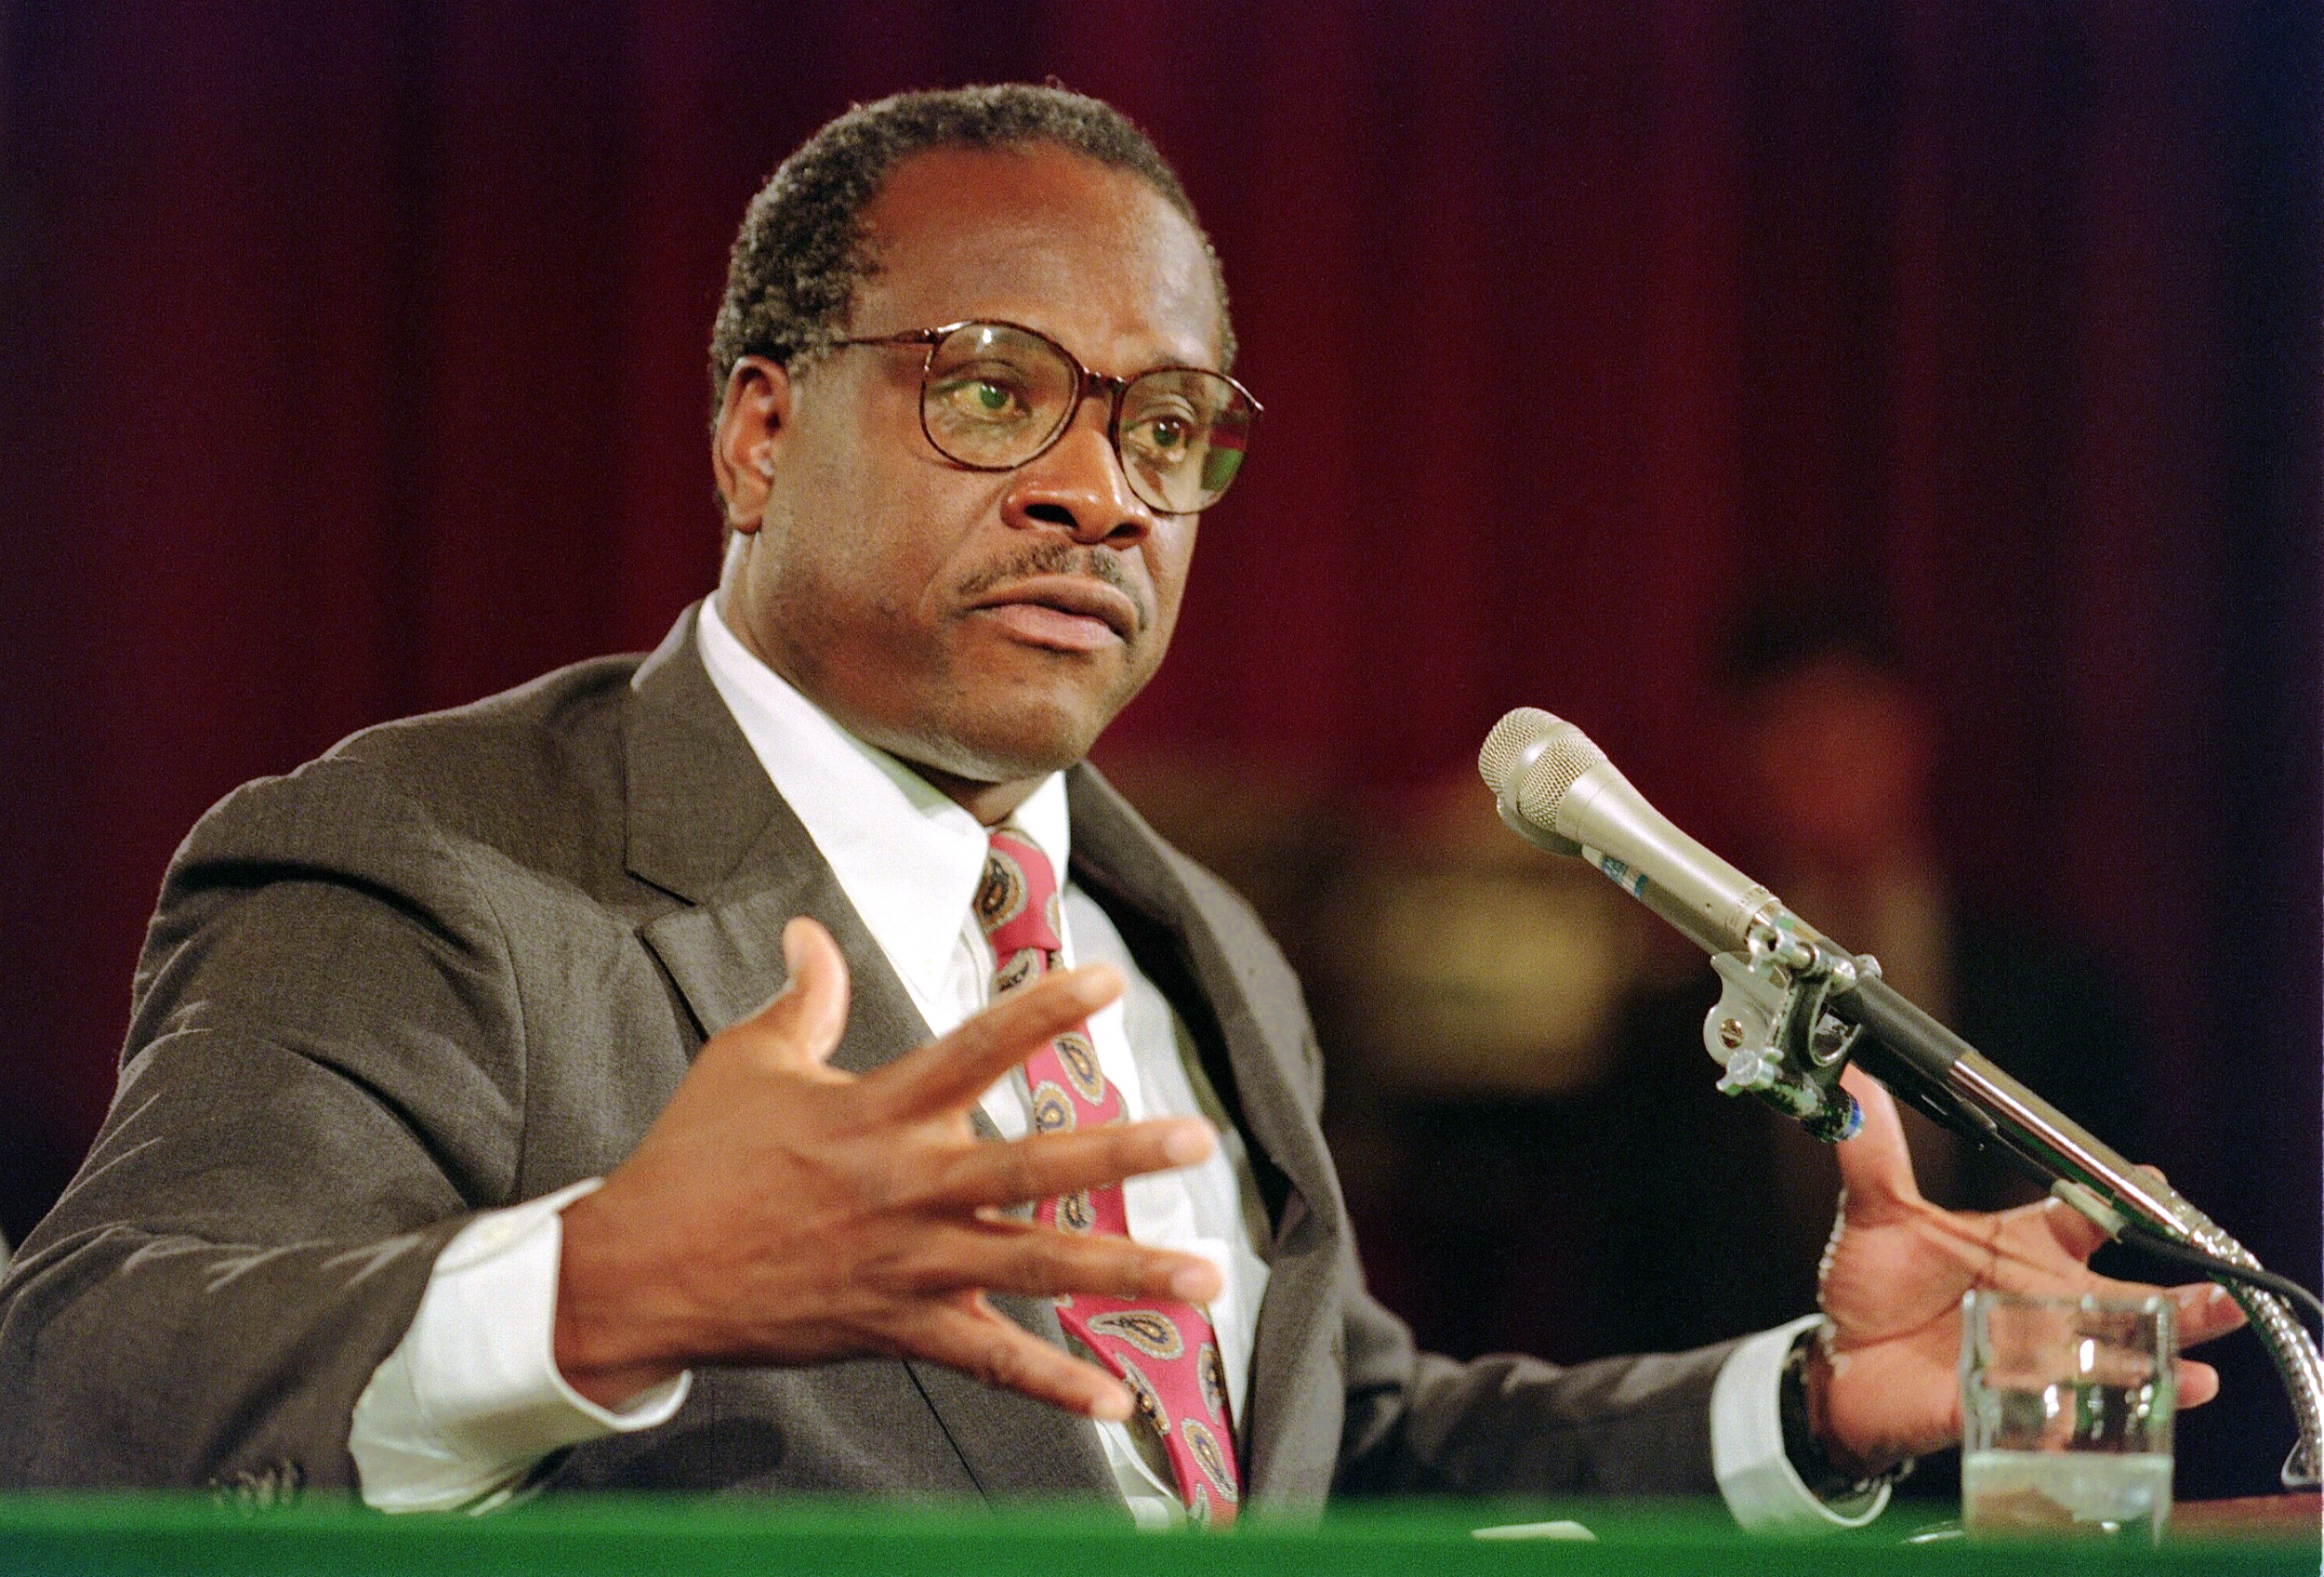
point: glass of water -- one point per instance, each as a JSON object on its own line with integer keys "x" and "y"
{"x": 2066, "y": 1407}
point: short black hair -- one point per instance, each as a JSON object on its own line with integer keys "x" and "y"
{"x": 1772, "y": 640}
{"x": 800, "y": 254}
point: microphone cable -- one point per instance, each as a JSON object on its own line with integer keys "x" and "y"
{"x": 2146, "y": 1239}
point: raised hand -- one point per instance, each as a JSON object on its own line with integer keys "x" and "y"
{"x": 1882, "y": 1382}
{"x": 782, "y": 1211}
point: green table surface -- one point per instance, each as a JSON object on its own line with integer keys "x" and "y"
{"x": 156, "y": 1535}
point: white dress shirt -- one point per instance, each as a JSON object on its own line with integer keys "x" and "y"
{"x": 472, "y": 1401}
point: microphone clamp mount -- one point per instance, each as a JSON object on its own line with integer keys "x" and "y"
{"x": 1771, "y": 1028}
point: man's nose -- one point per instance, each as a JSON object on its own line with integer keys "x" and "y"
{"x": 1077, "y": 484}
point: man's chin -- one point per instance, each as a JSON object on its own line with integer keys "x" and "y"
{"x": 1015, "y": 752}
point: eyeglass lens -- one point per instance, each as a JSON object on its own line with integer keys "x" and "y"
{"x": 995, "y": 396}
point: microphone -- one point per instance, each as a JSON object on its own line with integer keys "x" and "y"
{"x": 1794, "y": 1000}
{"x": 1797, "y": 1006}
{"x": 1557, "y": 790}
{"x": 1773, "y": 1029}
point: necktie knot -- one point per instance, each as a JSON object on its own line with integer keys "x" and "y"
{"x": 1016, "y": 902}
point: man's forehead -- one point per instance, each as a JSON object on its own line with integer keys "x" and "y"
{"x": 1044, "y": 237}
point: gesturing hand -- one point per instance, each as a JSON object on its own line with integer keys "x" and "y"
{"x": 782, "y": 1211}
{"x": 1882, "y": 1383}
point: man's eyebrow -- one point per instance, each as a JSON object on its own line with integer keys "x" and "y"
{"x": 1207, "y": 360}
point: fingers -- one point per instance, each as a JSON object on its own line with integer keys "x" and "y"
{"x": 2200, "y": 1309}
{"x": 2198, "y": 1383}
{"x": 802, "y": 1024}
{"x": 1875, "y": 1167}
{"x": 1001, "y": 1255}
{"x": 2205, "y": 1310}
{"x": 952, "y": 1070}
{"x": 972, "y": 1337}
{"x": 1049, "y": 1165}
{"x": 2073, "y": 1231}
{"x": 819, "y": 972}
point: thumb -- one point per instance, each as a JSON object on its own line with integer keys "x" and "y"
{"x": 1875, "y": 1167}
{"x": 800, "y": 1027}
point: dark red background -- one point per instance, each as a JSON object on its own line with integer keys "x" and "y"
{"x": 352, "y": 364}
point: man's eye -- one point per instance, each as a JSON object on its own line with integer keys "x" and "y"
{"x": 1165, "y": 437}
{"x": 982, "y": 399}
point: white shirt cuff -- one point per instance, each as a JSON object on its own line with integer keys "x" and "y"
{"x": 1762, "y": 1489}
{"x": 472, "y": 1400}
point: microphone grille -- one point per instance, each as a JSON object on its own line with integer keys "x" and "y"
{"x": 1561, "y": 754}
{"x": 1508, "y": 741}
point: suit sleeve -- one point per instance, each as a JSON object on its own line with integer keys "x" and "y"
{"x": 322, "y": 1082}
{"x": 1506, "y": 1425}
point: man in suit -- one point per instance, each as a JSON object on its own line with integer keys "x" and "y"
{"x": 455, "y": 1153}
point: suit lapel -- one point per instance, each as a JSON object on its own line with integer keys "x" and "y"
{"x": 707, "y": 826}
{"x": 1296, "y": 1396}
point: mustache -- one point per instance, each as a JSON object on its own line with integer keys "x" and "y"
{"x": 1053, "y": 557}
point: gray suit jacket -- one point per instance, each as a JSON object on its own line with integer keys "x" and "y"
{"x": 464, "y": 960}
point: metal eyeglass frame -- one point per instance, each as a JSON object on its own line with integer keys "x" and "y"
{"x": 1085, "y": 384}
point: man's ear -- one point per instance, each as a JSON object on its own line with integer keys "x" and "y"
{"x": 754, "y": 421}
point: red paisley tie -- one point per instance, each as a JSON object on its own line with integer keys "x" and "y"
{"x": 1166, "y": 1352}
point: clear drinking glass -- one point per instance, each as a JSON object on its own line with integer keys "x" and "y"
{"x": 2066, "y": 1408}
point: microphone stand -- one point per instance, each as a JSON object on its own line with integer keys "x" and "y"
{"x": 1798, "y": 1007}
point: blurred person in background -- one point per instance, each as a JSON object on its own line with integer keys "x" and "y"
{"x": 1841, "y": 757}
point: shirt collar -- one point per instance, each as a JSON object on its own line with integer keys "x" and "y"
{"x": 907, "y": 857}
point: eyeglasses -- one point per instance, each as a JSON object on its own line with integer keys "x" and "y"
{"x": 995, "y": 395}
